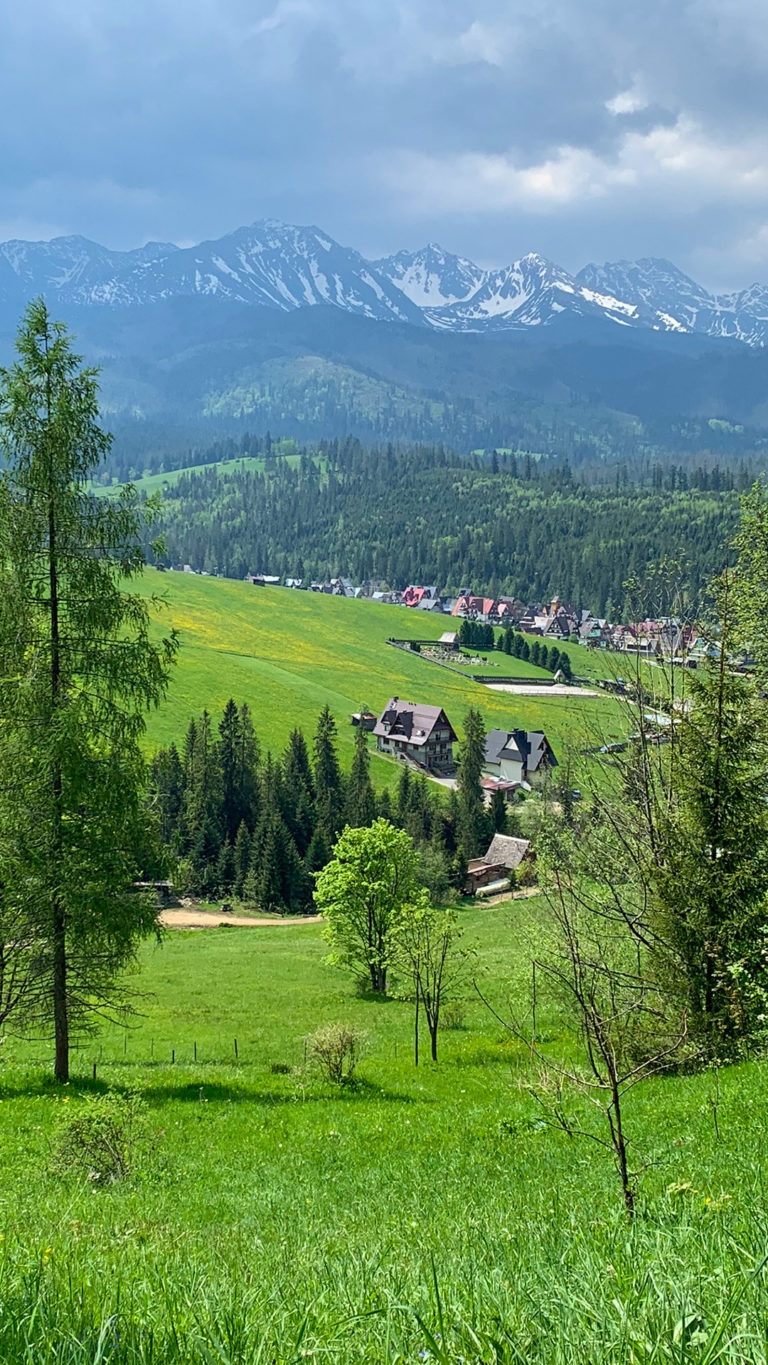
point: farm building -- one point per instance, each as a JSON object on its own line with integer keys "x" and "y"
{"x": 492, "y": 872}
{"x": 420, "y": 733}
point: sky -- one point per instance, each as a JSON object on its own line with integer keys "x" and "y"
{"x": 582, "y": 129}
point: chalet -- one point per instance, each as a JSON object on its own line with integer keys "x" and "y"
{"x": 422, "y": 734}
{"x": 492, "y": 872}
{"x": 514, "y": 756}
{"x": 495, "y": 610}
{"x": 415, "y": 596}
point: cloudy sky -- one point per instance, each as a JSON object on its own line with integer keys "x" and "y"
{"x": 584, "y": 129}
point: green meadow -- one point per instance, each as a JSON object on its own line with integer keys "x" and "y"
{"x": 288, "y": 653}
{"x": 414, "y": 1215}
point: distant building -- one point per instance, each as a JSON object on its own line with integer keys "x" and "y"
{"x": 449, "y": 639}
{"x": 517, "y": 755}
{"x": 492, "y": 872}
{"x": 365, "y": 719}
{"x": 420, "y": 733}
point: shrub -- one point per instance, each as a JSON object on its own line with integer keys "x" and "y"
{"x": 104, "y": 1141}
{"x": 280, "y": 1069}
{"x": 453, "y": 1014}
{"x": 335, "y": 1050}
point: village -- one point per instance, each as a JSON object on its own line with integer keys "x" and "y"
{"x": 554, "y": 621}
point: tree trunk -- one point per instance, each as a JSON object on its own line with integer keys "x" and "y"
{"x": 433, "y": 1040}
{"x": 60, "y": 1010}
{"x": 416, "y": 1030}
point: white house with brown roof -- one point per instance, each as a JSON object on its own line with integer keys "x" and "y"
{"x": 424, "y": 734}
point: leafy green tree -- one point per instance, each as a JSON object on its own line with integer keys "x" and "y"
{"x": 78, "y": 671}
{"x": 361, "y": 893}
{"x": 565, "y": 666}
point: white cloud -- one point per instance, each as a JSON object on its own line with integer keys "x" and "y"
{"x": 680, "y": 165}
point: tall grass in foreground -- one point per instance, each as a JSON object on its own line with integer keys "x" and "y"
{"x": 422, "y": 1216}
{"x": 675, "y": 1288}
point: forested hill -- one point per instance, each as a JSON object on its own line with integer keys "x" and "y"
{"x": 501, "y": 525}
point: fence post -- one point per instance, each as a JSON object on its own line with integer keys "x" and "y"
{"x": 235, "y": 1049}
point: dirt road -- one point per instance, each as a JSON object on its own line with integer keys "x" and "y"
{"x": 531, "y": 690}
{"x": 187, "y": 918}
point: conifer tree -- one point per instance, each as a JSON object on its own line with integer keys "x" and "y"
{"x": 473, "y": 823}
{"x": 498, "y": 813}
{"x": 329, "y": 797}
{"x": 242, "y": 857}
{"x": 78, "y": 670}
{"x": 360, "y": 801}
{"x": 168, "y": 786}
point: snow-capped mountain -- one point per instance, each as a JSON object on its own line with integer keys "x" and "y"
{"x": 270, "y": 264}
{"x": 275, "y": 265}
{"x": 431, "y": 277}
{"x": 528, "y": 293}
{"x": 665, "y": 298}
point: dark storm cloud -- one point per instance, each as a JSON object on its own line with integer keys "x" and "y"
{"x": 580, "y": 128}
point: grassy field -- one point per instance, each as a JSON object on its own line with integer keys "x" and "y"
{"x": 417, "y": 1215}
{"x": 288, "y": 653}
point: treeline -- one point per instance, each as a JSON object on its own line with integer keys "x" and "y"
{"x": 424, "y": 515}
{"x": 481, "y": 635}
{"x": 255, "y": 827}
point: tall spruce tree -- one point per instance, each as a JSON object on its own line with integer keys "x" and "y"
{"x": 360, "y": 805}
{"x": 473, "y": 821}
{"x": 78, "y": 671}
{"x": 329, "y": 796}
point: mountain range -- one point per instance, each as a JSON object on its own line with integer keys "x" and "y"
{"x": 283, "y": 268}
{"x": 281, "y": 328}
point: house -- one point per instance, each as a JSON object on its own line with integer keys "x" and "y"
{"x": 420, "y": 733}
{"x": 449, "y": 639}
{"x": 514, "y": 756}
{"x": 492, "y": 872}
{"x": 414, "y": 596}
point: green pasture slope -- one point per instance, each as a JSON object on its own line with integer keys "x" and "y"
{"x": 287, "y": 653}
{"x": 425, "y": 1215}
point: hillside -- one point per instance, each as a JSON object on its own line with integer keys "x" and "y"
{"x": 287, "y": 1219}
{"x": 288, "y": 653}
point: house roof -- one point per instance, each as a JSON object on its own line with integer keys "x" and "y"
{"x": 506, "y": 851}
{"x": 535, "y": 747}
{"x": 528, "y": 747}
{"x": 498, "y": 746}
{"x": 448, "y": 637}
{"x": 411, "y": 721}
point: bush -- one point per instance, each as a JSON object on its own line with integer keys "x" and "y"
{"x": 105, "y": 1140}
{"x": 335, "y": 1049}
{"x": 279, "y": 1069}
{"x": 453, "y": 1014}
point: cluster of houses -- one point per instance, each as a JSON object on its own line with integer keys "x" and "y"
{"x": 423, "y": 736}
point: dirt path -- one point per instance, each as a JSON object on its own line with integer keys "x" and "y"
{"x": 209, "y": 919}
{"x": 531, "y": 690}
